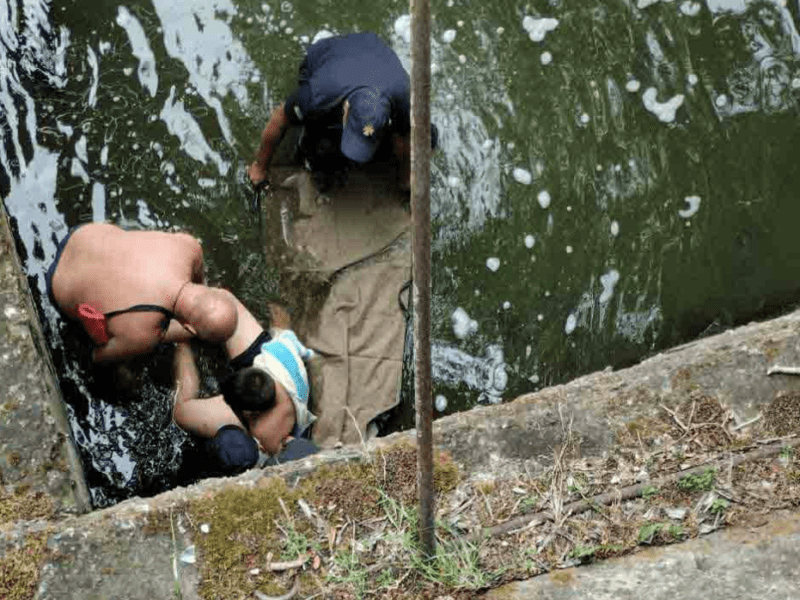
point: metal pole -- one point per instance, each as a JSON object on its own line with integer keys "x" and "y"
{"x": 421, "y": 243}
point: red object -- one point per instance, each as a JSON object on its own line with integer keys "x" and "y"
{"x": 94, "y": 322}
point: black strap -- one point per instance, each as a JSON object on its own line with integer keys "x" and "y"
{"x": 142, "y": 308}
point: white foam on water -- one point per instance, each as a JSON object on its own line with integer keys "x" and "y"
{"x": 183, "y": 126}
{"x": 569, "y": 249}
{"x": 487, "y": 144}
{"x": 538, "y": 28}
{"x": 141, "y": 50}
{"x": 448, "y": 36}
{"x": 692, "y": 78}
{"x": 80, "y": 149}
{"x": 324, "y": 34}
{"x": 546, "y": 58}
{"x": 690, "y": 9}
{"x": 98, "y": 202}
{"x": 217, "y": 62}
{"x": 540, "y": 317}
{"x": 585, "y": 118}
{"x": 646, "y": 3}
{"x": 665, "y": 111}
{"x": 462, "y": 59}
{"x": 529, "y": 241}
{"x": 453, "y": 181}
{"x": 633, "y": 86}
{"x": 91, "y": 58}
{"x": 614, "y": 228}
{"x": 440, "y": 403}
{"x": 144, "y": 216}
{"x": 694, "y": 206}
{"x": 104, "y": 155}
{"x": 796, "y": 83}
{"x": 501, "y": 30}
{"x": 543, "y": 198}
{"x": 721, "y": 100}
{"x": 608, "y": 281}
{"x": 571, "y": 324}
{"x": 486, "y": 375}
{"x": 76, "y": 170}
{"x": 493, "y": 264}
{"x": 522, "y": 176}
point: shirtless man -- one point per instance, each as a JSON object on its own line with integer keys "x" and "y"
{"x": 132, "y": 290}
{"x": 264, "y": 403}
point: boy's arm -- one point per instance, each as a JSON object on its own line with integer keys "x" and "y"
{"x": 200, "y": 416}
{"x": 177, "y": 333}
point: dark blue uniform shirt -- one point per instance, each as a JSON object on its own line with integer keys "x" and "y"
{"x": 336, "y": 66}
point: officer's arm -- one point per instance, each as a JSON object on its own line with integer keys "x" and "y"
{"x": 272, "y": 135}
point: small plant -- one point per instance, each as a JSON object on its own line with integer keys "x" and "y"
{"x": 528, "y": 504}
{"x": 649, "y": 491}
{"x": 347, "y": 569}
{"x": 719, "y": 506}
{"x": 295, "y": 544}
{"x": 676, "y": 532}
{"x": 649, "y": 531}
{"x": 703, "y": 482}
{"x": 787, "y": 452}
{"x": 584, "y": 553}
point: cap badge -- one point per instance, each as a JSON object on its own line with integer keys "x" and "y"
{"x": 368, "y": 130}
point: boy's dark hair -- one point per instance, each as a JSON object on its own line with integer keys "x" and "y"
{"x": 249, "y": 389}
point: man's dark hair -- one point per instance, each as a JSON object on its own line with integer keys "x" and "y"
{"x": 249, "y": 389}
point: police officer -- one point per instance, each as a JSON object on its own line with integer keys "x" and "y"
{"x": 353, "y": 102}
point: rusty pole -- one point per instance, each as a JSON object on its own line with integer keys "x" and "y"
{"x": 421, "y": 244}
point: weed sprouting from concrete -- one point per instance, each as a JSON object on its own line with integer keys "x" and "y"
{"x": 698, "y": 483}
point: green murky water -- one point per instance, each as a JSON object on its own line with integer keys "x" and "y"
{"x": 614, "y": 177}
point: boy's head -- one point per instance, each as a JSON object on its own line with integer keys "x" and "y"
{"x": 249, "y": 390}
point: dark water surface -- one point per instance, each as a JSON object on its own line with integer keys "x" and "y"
{"x": 615, "y": 177}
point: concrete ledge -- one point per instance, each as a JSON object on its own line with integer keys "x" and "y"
{"x": 761, "y": 563}
{"x": 36, "y": 450}
{"x": 508, "y": 439}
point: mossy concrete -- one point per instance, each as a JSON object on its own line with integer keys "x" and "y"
{"x": 36, "y": 452}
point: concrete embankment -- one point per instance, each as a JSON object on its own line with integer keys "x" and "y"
{"x": 162, "y": 547}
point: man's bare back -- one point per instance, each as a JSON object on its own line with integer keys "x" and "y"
{"x": 154, "y": 278}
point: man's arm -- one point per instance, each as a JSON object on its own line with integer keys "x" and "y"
{"x": 201, "y": 416}
{"x": 272, "y": 135}
{"x": 119, "y": 349}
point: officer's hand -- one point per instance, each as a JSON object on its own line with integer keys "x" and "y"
{"x": 257, "y": 174}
